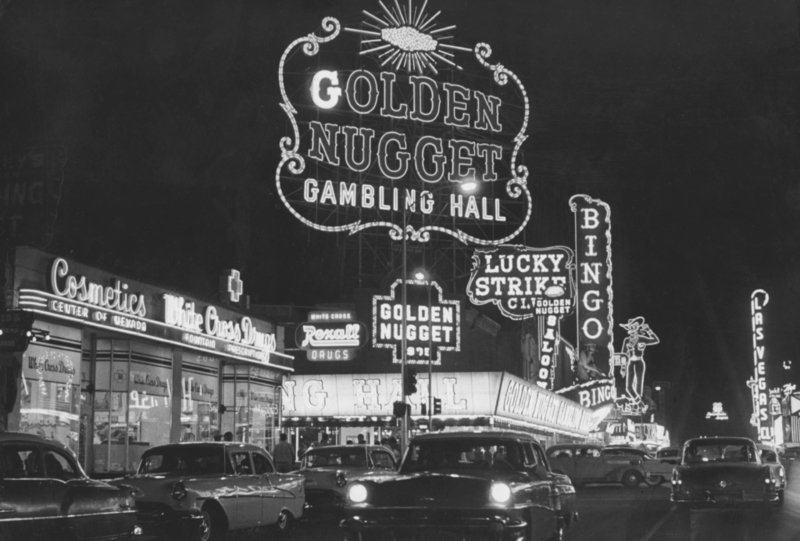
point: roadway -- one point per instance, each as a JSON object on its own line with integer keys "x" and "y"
{"x": 614, "y": 513}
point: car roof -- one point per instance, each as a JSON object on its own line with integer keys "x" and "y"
{"x": 476, "y": 434}
{"x": 726, "y": 439}
{"x": 31, "y": 438}
{"x": 224, "y": 444}
{"x": 364, "y": 446}
{"x": 570, "y": 445}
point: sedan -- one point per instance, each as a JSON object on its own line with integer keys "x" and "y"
{"x": 327, "y": 470}
{"x": 591, "y": 463}
{"x": 769, "y": 456}
{"x": 45, "y": 494}
{"x": 468, "y": 484}
{"x": 200, "y": 490}
{"x": 721, "y": 473}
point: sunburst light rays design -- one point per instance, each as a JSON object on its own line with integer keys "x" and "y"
{"x": 407, "y": 39}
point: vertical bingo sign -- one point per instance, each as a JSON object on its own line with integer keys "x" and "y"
{"x": 594, "y": 308}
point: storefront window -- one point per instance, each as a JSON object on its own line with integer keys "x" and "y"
{"x": 49, "y": 395}
{"x": 254, "y": 394}
{"x": 200, "y": 397}
{"x": 132, "y": 402}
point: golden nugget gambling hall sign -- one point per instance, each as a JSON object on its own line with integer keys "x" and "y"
{"x": 397, "y": 131}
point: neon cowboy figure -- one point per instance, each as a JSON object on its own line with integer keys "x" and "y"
{"x": 639, "y": 337}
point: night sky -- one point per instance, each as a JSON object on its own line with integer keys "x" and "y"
{"x": 161, "y": 120}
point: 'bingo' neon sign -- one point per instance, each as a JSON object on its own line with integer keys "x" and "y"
{"x": 377, "y": 147}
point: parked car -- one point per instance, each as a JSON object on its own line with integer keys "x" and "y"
{"x": 327, "y": 470}
{"x": 769, "y": 456}
{"x": 592, "y": 463}
{"x": 791, "y": 452}
{"x": 41, "y": 479}
{"x": 200, "y": 490}
{"x": 720, "y": 473}
{"x": 669, "y": 453}
{"x": 494, "y": 483}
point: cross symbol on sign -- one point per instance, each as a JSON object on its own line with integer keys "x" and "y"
{"x": 235, "y": 285}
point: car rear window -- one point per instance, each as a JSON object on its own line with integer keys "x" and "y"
{"x": 189, "y": 459}
{"x": 321, "y": 458}
{"x": 719, "y": 451}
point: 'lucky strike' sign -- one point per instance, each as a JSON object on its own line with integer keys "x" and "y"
{"x": 432, "y": 323}
{"x": 595, "y": 295}
{"x": 331, "y": 336}
{"x": 523, "y": 282}
{"x": 398, "y": 121}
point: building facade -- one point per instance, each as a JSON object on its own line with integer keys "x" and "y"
{"x": 114, "y": 366}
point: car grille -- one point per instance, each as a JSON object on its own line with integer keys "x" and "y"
{"x": 320, "y": 497}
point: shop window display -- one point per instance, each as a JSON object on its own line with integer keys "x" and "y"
{"x": 132, "y": 403}
{"x": 200, "y": 397}
{"x": 49, "y": 394}
{"x": 255, "y": 400}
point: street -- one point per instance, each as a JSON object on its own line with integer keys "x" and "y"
{"x": 615, "y": 513}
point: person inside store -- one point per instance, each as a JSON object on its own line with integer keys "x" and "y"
{"x": 361, "y": 440}
{"x": 323, "y": 440}
{"x": 228, "y": 436}
{"x": 283, "y": 454}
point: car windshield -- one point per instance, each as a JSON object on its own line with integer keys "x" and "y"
{"x": 464, "y": 454}
{"x": 719, "y": 451}
{"x": 184, "y": 459}
{"x": 355, "y": 457}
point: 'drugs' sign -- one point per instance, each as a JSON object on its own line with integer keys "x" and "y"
{"x": 393, "y": 127}
{"x": 523, "y": 282}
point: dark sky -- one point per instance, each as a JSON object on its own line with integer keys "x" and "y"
{"x": 681, "y": 114}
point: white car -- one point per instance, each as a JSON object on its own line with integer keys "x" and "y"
{"x": 200, "y": 490}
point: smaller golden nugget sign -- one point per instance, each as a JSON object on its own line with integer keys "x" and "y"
{"x": 331, "y": 336}
{"x": 523, "y": 282}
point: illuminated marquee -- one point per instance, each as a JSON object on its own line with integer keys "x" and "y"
{"x": 758, "y": 383}
{"x": 249, "y": 341}
{"x": 331, "y": 336}
{"x": 433, "y": 324}
{"x": 523, "y": 282}
{"x": 374, "y": 146}
{"x": 595, "y": 295}
{"x": 592, "y": 394}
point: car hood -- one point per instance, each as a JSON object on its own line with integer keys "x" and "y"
{"x": 428, "y": 489}
{"x": 712, "y": 473}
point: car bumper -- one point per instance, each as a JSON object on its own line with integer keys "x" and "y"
{"x": 159, "y": 521}
{"x": 710, "y": 500}
{"x": 496, "y": 524}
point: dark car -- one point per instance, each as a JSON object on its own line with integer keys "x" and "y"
{"x": 769, "y": 456}
{"x": 327, "y": 470}
{"x": 480, "y": 484}
{"x": 592, "y": 463}
{"x": 45, "y": 494}
{"x": 722, "y": 473}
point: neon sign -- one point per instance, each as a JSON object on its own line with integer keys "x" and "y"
{"x": 595, "y": 307}
{"x": 631, "y": 363}
{"x": 433, "y": 323}
{"x": 114, "y": 297}
{"x": 717, "y": 412}
{"x": 380, "y": 152}
{"x": 331, "y": 336}
{"x": 523, "y": 282}
{"x": 758, "y": 383}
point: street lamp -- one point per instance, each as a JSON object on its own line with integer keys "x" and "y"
{"x": 423, "y": 276}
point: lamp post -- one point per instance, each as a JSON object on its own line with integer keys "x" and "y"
{"x": 422, "y": 275}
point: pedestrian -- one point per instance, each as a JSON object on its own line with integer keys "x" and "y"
{"x": 361, "y": 440}
{"x": 394, "y": 447}
{"x": 217, "y": 437}
{"x": 323, "y": 440}
{"x": 228, "y": 436}
{"x": 283, "y": 454}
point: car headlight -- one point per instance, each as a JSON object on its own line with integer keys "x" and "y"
{"x": 178, "y": 491}
{"x": 357, "y": 493}
{"x": 500, "y": 492}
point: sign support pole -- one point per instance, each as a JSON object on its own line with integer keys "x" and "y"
{"x": 404, "y": 423}
{"x": 430, "y": 366}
